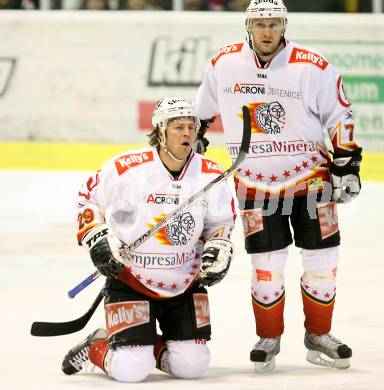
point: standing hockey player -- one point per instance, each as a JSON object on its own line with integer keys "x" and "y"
{"x": 293, "y": 94}
{"x": 163, "y": 280}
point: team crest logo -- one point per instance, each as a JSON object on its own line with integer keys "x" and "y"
{"x": 267, "y": 118}
{"x": 270, "y": 117}
{"x": 178, "y": 232}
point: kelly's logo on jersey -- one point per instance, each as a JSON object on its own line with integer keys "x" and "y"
{"x": 229, "y": 49}
{"x": 163, "y": 199}
{"x": 302, "y": 55}
{"x": 245, "y": 89}
{"x": 208, "y": 166}
{"x": 131, "y": 160}
{"x": 267, "y": 118}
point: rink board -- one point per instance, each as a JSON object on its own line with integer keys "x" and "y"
{"x": 77, "y": 156}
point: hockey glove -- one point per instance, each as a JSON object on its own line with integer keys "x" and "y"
{"x": 345, "y": 176}
{"x": 201, "y": 144}
{"x": 216, "y": 259}
{"x": 104, "y": 248}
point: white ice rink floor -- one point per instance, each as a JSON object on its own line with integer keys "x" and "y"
{"x": 40, "y": 262}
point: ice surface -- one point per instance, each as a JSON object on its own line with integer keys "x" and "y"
{"x": 40, "y": 262}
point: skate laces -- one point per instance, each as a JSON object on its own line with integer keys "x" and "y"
{"x": 267, "y": 344}
{"x": 328, "y": 340}
{"x": 82, "y": 357}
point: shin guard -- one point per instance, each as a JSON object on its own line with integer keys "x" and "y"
{"x": 268, "y": 292}
{"x": 318, "y": 288}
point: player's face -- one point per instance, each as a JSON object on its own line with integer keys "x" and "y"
{"x": 266, "y": 34}
{"x": 181, "y": 133}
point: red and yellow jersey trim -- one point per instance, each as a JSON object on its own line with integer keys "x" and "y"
{"x": 313, "y": 181}
{"x": 126, "y": 277}
{"x": 337, "y": 138}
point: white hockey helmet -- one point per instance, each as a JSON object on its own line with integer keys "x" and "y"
{"x": 263, "y": 9}
{"x": 170, "y": 108}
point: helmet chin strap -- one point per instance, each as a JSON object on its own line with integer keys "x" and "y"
{"x": 163, "y": 144}
{"x": 166, "y": 150}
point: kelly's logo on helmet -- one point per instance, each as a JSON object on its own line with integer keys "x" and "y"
{"x": 245, "y": 89}
{"x": 267, "y": 118}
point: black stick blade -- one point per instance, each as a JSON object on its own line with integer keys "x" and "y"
{"x": 49, "y": 329}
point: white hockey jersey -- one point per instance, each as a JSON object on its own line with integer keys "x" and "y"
{"x": 133, "y": 192}
{"x": 293, "y": 100}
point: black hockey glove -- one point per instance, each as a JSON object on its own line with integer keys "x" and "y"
{"x": 216, "y": 259}
{"x": 104, "y": 248}
{"x": 201, "y": 144}
{"x": 345, "y": 175}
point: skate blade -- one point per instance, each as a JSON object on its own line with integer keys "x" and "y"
{"x": 316, "y": 357}
{"x": 264, "y": 367}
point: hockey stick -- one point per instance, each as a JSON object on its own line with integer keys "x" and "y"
{"x": 46, "y": 329}
{"x": 246, "y": 139}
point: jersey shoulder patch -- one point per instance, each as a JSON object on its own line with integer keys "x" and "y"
{"x": 300, "y": 55}
{"x": 209, "y": 166}
{"x": 229, "y": 49}
{"x": 131, "y": 160}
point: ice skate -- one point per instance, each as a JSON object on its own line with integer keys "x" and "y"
{"x": 264, "y": 352}
{"x": 336, "y": 353}
{"x": 77, "y": 358}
